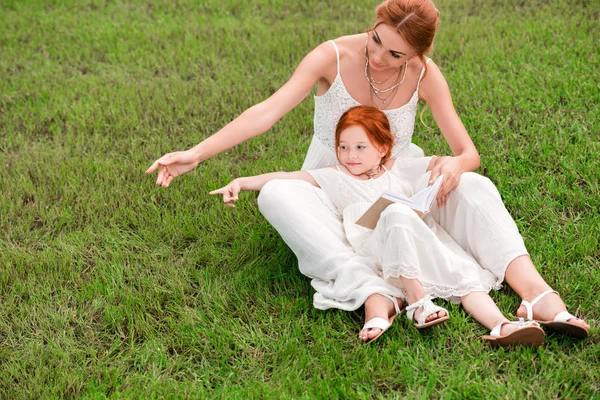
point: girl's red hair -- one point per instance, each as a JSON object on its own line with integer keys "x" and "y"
{"x": 375, "y": 124}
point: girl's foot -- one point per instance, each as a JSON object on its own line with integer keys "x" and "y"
{"x": 428, "y": 313}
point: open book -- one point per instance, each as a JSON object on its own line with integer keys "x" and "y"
{"x": 421, "y": 202}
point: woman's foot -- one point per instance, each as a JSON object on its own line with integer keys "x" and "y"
{"x": 378, "y": 306}
{"x": 545, "y": 309}
{"x": 510, "y": 333}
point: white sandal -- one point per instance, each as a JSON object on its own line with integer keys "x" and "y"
{"x": 428, "y": 309}
{"x": 559, "y": 323}
{"x": 528, "y": 333}
{"x": 382, "y": 323}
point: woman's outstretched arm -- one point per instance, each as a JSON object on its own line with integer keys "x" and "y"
{"x": 232, "y": 189}
{"x": 252, "y": 122}
{"x": 434, "y": 89}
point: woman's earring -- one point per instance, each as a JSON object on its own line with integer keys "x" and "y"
{"x": 405, "y": 68}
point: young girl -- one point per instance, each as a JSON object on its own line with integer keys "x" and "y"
{"x": 414, "y": 254}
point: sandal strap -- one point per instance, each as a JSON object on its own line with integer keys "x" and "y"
{"x": 529, "y": 305}
{"x": 377, "y": 322}
{"x": 564, "y": 316}
{"x": 428, "y": 309}
{"x": 410, "y": 309}
{"x": 520, "y": 322}
{"x": 394, "y": 302}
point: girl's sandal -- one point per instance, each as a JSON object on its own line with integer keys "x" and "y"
{"x": 428, "y": 309}
{"x": 382, "y": 323}
{"x": 560, "y": 322}
{"x": 528, "y": 333}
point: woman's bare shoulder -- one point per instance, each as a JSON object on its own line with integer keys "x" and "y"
{"x": 433, "y": 83}
{"x": 351, "y": 45}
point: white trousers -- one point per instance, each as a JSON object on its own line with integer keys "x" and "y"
{"x": 474, "y": 216}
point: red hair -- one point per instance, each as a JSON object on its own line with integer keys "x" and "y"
{"x": 375, "y": 124}
{"x": 415, "y": 20}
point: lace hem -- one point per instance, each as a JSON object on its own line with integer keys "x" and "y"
{"x": 452, "y": 294}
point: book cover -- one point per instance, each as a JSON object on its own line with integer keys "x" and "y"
{"x": 421, "y": 202}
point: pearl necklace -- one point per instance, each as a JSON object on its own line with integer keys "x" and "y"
{"x": 373, "y": 82}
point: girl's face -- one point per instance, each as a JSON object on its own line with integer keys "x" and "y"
{"x": 387, "y": 49}
{"x": 356, "y": 151}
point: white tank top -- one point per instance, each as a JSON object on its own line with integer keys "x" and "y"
{"x": 329, "y": 108}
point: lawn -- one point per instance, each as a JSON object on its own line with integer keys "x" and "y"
{"x": 111, "y": 286}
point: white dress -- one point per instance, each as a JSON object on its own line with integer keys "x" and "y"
{"x": 403, "y": 244}
{"x": 474, "y": 215}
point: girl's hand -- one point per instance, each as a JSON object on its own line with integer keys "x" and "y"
{"x": 229, "y": 192}
{"x": 451, "y": 168}
{"x": 172, "y": 165}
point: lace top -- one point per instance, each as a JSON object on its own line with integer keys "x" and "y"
{"x": 330, "y": 106}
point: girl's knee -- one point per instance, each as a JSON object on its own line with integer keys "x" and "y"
{"x": 401, "y": 211}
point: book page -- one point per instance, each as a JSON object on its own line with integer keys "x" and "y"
{"x": 421, "y": 202}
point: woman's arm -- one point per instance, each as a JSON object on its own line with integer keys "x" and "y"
{"x": 434, "y": 89}
{"x": 252, "y": 122}
{"x": 232, "y": 189}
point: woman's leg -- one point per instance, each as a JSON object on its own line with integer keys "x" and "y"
{"x": 481, "y": 307}
{"x": 477, "y": 219}
{"x": 524, "y": 278}
{"x": 342, "y": 279}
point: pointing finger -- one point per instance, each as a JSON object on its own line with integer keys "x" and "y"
{"x": 152, "y": 167}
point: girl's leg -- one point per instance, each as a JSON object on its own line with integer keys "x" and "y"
{"x": 304, "y": 218}
{"x": 477, "y": 219}
{"x": 413, "y": 290}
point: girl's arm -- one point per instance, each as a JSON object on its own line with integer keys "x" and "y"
{"x": 252, "y": 122}
{"x": 232, "y": 189}
{"x": 434, "y": 89}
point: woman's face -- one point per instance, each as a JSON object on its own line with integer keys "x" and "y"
{"x": 356, "y": 151}
{"x": 387, "y": 50}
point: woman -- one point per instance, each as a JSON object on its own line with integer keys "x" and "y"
{"x": 386, "y": 68}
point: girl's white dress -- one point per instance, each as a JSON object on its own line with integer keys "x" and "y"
{"x": 305, "y": 217}
{"x": 403, "y": 244}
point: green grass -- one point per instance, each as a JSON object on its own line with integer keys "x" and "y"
{"x": 113, "y": 287}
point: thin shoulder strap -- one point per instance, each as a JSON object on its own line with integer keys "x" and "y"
{"x": 337, "y": 55}
{"x": 338, "y": 168}
{"x": 386, "y": 170}
{"x": 422, "y": 72}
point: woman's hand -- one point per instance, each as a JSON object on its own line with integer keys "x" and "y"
{"x": 230, "y": 192}
{"x": 452, "y": 169}
{"x": 172, "y": 165}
